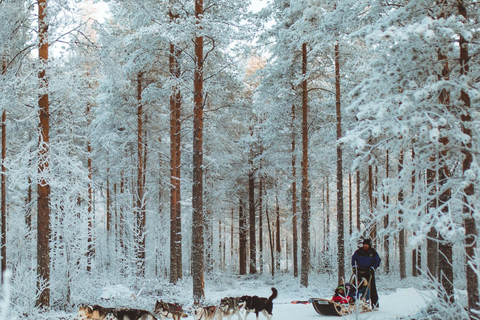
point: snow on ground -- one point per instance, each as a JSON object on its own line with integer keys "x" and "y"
{"x": 395, "y": 303}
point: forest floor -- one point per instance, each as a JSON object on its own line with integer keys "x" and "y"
{"x": 398, "y": 299}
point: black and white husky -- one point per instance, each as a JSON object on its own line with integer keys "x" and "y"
{"x": 229, "y": 307}
{"x": 206, "y": 313}
{"x": 257, "y": 304}
{"x": 169, "y": 310}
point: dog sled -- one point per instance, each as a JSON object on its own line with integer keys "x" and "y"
{"x": 350, "y": 298}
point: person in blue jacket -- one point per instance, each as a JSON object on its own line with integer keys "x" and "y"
{"x": 367, "y": 260}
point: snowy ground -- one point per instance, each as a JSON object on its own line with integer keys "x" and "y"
{"x": 394, "y": 305}
{"x": 400, "y": 303}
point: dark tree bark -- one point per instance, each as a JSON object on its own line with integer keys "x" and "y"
{"x": 278, "y": 248}
{"x": 91, "y": 237}
{"x": 401, "y": 235}
{"x": 270, "y": 236}
{"x": 260, "y": 224}
{"x": 432, "y": 243}
{"x": 340, "y": 210}
{"x": 4, "y": 195}
{"x": 108, "y": 202}
{"x": 327, "y": 213}
{"x": 386, "y": 222}
{"x": 43, "y": 187}
{"x": 175, "y": 166}
{"x": 350, "y": 205}
{"x": 294, "y": 197}
{"x": 445, "y": 247}
{"x": 305, "y": 201}
{"x": 358, "y": 201}
{"x": 252, "y": 231}
{"x": 140, "y": 203}
{"x": 231, "y": 235}
{"x": 370, "y": 201}
{"x": 416, "y": 253}
{"x": 242, "y": 231}
{"x": 469, "y": 220}
{"x": 197, "y": 188}
{"x": 220, "y": 244}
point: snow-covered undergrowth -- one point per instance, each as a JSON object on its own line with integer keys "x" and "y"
{"x": 406, "y": 299}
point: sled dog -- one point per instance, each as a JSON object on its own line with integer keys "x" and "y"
{"x": 229, "y": 307}
{"x": 257, "y": 304}
{"x": 130, "y": 314}
{"x": 93, "y": 312}
{"x": 169, "y": 310}
{"x": 205, "y": 313}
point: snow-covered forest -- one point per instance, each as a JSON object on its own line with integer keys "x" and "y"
{"x": 163, "y": 144}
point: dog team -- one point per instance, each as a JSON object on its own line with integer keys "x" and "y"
{"x": 228, "y": 307}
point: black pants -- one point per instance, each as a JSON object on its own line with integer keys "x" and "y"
{"x": 373, "y": 286}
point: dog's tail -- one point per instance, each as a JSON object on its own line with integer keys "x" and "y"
{"x": 274, "y": 294}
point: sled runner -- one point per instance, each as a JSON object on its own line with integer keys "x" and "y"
{"x": 352, "y": 297}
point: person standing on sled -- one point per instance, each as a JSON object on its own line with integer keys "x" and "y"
{"x": 366, "y": 260}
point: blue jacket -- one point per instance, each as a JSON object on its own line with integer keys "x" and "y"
{"x": 364, "y": 260}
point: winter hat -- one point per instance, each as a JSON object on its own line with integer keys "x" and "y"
{"x": 367, "y": 241}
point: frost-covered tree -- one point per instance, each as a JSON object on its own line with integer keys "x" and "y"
{"x": 415, "y": 97}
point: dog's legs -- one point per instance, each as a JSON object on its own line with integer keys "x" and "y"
{"x": 267, "y": 315}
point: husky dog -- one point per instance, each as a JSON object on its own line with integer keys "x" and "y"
{"x": 130, "y": 314}
{"x": 206, "y": 313}
{"x": 169, "y": 310}
{"x": 93, "y": 312}
{"x": 257, "y": 304}
{"x": 229, "y": 307}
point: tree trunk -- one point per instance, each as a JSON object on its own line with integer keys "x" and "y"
{"x": 350, "y": 205}
{"x": 327, "y": 222}
{"x": 294, "y": 198}
{"x": 197, "y": 188}
{"x": 401, "y": 235}
{"x": 175, "y": 167}
{"x": 221, "y": 258}
{"x": 417, "y": 252}
{"x": 4, "y": 195}
{"x": 231, "y": 236}
{"x": 91, "y": 237}
{"x": 358, "y": 201}
{"x": 432, "y": 244}
{"x": 108, "y": 202}
{"x": 270, "y": 236}
{"x": 43, "y": 187}
{"x": 251, "y": 211}
{"x": 242, "y": 231}
{"x": 370, "y": 201}
{"x": 140, "y": 203}
{"x": 278, "y": 248}
{"x": 340, "y": 213}
{"x": 469, "y": 220}
{"x": 305, "y": 201}
{"x": 445, "y": 247}
{"x": 260, "y": 224}
{"x": 386, "y": 221}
